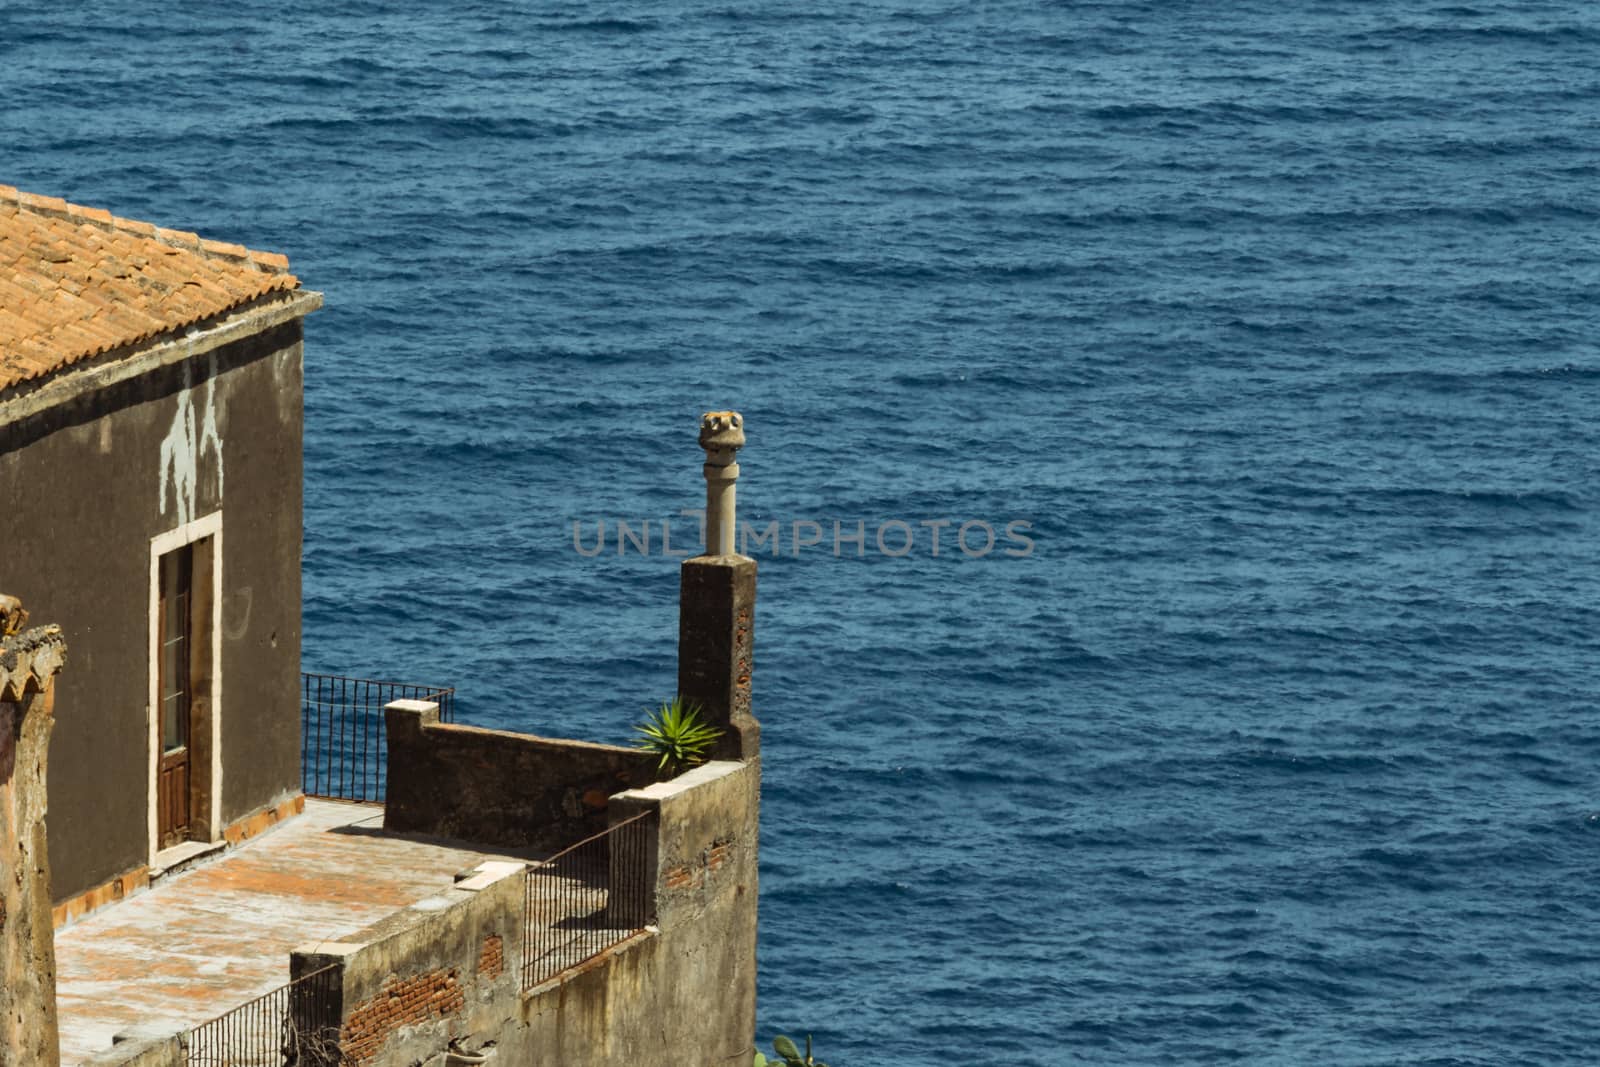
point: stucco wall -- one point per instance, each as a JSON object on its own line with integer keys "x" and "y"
{"x": 88, "y": 484}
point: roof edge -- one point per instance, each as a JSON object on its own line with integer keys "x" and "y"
{"x": 40, "y": 394}
{"x": 55, "y": 207}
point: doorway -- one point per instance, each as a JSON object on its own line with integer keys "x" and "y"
{"x": 185, "y": 568}
{"x": 176, "y": 627}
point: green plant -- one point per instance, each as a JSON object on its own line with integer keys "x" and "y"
{"x": 791, "y": 1055}
{"x": 675, "y": 732}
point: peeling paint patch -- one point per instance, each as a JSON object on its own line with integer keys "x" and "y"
{"x": 191, "y": 435}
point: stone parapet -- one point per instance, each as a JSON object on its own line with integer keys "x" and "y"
{"x": 441, "y": 973}
{"x": 497, "y": 787}
{"x": 685, "y": 990}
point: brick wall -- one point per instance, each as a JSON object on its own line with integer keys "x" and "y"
{"x": 443, "y": 969}
{"x": 401, "y": 1002}
{"x": 492, "y": 960}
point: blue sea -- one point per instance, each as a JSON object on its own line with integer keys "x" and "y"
{"x": 1262, "y": 337}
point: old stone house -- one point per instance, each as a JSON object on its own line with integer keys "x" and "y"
{"x": 150, "y": 474}
{"x": 540, "y": 899}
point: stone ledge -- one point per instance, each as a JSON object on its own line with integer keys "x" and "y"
{"x": 258, "y": 822}
{"x": 91, "y": 900}
{"x": 602, "y": 958}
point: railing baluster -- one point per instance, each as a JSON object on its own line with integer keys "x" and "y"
{"x": 344, "y": 750}
{"x": 585, "y": 899}
{"x": 295, "y": 1023}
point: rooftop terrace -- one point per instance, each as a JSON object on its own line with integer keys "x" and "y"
{"x": 200, "y": 943}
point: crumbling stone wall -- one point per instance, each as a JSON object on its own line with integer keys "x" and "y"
{"x": 687, "y": 993}
{"x": 28, "y": 665}
{"x": 400, "y": 1003}
{"x": 429, "y": 974}
{"x": 448, "y": 970}
{"x": 500, "y": 788}
{"x": 716, "y": 640}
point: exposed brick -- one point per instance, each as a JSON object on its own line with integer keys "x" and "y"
{"x": 492, "y": 960}
{"x": 400, "y": 1002}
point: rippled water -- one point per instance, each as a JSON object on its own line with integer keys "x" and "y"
{"x": 1276, "y": 321}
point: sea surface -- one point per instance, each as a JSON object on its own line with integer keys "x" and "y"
{"x": 1269, "y": 738}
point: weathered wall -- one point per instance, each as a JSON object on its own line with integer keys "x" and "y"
{"x": 682, "y": 992}
{"x": 138, "y": 1051}
{"x": 687, "y": 995}
{"x": 28, "y": 1036}
{"x": 441, "y": 969}
{"x": 500, "y": 788}
{"x": 88, "y": 484}
{"x": 716, "y": 640}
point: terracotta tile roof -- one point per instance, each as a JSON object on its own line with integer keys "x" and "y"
{"x": 76, "y": 282}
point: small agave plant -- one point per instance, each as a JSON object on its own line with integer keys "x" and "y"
{"x": 791, "y": 1055}
{"x": 675, "y": 732}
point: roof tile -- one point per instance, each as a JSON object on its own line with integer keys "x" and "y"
{"x": 181, "y": 238}
{"x": 77, "y": 281}
{"x": 270, "y": 260}
{"x": 222, "y": 248}
{"x": 42, "y": 203}
{"x": 98, "y": 214}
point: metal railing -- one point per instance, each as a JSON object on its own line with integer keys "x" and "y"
{"x": 296, "y": 1024}
{"x": 343, "y": 748}
{"x": 583, "y": 900}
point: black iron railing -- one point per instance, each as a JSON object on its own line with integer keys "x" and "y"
{"x": 587, "y": 898}
{"x": 296, "y": 1024}
{"x": 343, "y": 748}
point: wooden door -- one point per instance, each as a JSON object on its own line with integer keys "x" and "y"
{"x": 173, "y": 657}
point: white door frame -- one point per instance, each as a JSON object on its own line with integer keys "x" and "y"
{"x": 187, "y": 534}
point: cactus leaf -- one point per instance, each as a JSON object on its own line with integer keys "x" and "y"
{"x": 785, "y": 1048}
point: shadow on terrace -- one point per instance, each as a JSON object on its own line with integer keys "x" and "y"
{"x": 498, "y": 856}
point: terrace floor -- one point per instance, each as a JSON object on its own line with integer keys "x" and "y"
{"x": 205, "y": 941}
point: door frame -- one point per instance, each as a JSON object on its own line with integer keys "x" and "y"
{"x": 205, "y": 824}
